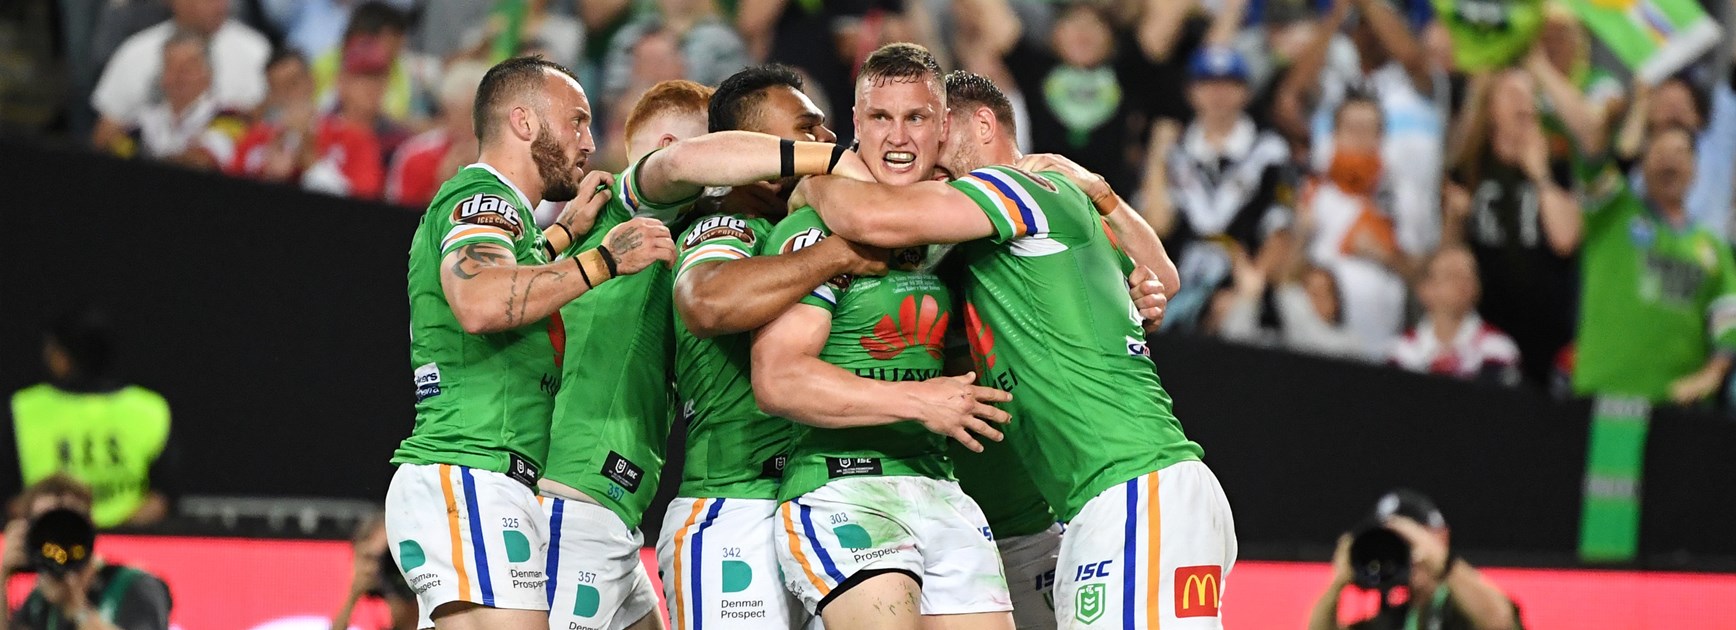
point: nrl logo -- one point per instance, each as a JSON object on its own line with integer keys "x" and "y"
{"x": 1090, "y": 603}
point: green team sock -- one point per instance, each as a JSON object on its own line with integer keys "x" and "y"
{"x": 1614, "y": 463}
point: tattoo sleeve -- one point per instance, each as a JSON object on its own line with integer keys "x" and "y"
{"x": 474, "y": 257}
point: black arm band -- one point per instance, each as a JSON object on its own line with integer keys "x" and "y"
{"x": 608, "y": 260}
{"x": 837, "y": 154}
{"x": 582, "y": 274}
{"x": 787, "y": 158}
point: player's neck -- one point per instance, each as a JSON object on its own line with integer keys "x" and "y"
{"x": 1002, "y": 151}
{"x": 518, "y": 168}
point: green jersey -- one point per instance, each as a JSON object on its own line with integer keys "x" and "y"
{"x": 1000, "y": 485}
{"x": 890, "y": 328}
{"x": 611, "y": 419}
{"x": 734, "y": 450}
{"x": 1049, "y": 319}
{"x": 482, "y": 401}
{"x": 1657, "y": 299}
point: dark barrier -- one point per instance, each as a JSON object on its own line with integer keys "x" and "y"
{"x": 275, "y": 323}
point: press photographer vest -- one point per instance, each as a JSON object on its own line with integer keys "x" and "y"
{"x": 106, "y": 439}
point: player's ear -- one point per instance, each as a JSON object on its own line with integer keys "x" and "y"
{"x": 522, "y": 122}
{"x": 986, "y": 125}
{"x": 666, "y": 140}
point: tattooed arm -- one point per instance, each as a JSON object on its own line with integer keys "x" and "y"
{"x": 490, "y": 292}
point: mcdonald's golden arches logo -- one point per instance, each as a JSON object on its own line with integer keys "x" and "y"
{"x": 1197, "y": 589}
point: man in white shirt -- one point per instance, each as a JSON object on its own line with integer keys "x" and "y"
{"x": 128, "y": 83}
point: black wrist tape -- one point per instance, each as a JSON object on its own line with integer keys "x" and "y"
{"x": 837, "y": 154}
{"x": 608, "y": 260}
{"x": 787, "y": 158}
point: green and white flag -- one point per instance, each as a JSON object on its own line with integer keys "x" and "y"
{"x": 1654, "y": 38}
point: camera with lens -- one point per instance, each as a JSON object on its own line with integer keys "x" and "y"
{"x": 1380, "y": 559}
{"x": 59, "y": 542}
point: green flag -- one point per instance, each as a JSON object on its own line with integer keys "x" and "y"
{"x": 1654, "y": 38}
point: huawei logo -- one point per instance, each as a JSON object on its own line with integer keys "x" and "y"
{"x": 916, "y": 325}
{"x": 982, "y": 338}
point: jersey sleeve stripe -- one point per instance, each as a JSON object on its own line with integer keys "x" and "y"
{"x": 628, "y": 196}
{"x": 1721, "y": 316}
{"x": 1028, "y": 208}
{"x": 1008, "y": 210}
{"x": 707, "y": 253}
{"x": 466, "y": 233}
{"x": 826, "y": 293}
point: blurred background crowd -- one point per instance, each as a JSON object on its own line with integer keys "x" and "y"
{"x": 1410, "y": 182}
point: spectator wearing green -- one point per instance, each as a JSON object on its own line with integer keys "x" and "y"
{"x": 92, "y": 427}
{"x": 1658, "y": 306}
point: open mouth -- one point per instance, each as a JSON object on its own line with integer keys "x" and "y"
{"x": 899, "y": 160}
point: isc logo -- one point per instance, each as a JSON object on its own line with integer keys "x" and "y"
{"x": 1089, "y": 571}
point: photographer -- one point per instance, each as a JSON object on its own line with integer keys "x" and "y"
{"x": 373, "y": 575}
{"x": 1445, "y": 592}
{"x": 52, "y": 536}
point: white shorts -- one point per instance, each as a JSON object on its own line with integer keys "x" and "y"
{"x": 1152, "y": 552}
{"x": 720, "y": 567}
{"x": 1030, "y": 565}
{"x": 466, "y": 535}
{"x": 925, "y": 527}
{"x": 596, "y": 580}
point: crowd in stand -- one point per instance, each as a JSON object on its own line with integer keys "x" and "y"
{"x": 1352, "y": 178}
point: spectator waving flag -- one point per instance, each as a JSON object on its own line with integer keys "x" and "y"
{"x": 1654, "y": 38}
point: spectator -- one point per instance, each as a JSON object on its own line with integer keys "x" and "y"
{"x": 1712, "y": 117}
{"x": 1511, "y": 205}
{"x": 383, "y": 27}
{"x": 1223, "y": 183}
{"x": 1348, "y": 228}
{"x": 1658, "y": 312}
{"x": 315, "y": 25}
{"x": 710, "y": 50}
{"x": 348, "y": 147}
{"x": 1452, "y": 340}
{"x": 237, "y": 55}
{"x": 560, "y": 37}
{"x": 1303, "y": 313}
{"x": 1393, "y": 67}
{"x": 84, "y": 422}
{"x": 432, "y": 157}
{"x": 1567, "y": 46}
{"x": 185, "y": 126}
{"x": 280, "y": 146}
{"x": 827, "y": 41}
{"x": 373, "y": 575}
{"x": 95, "y": 596}
{"x": 1078, "y": 94}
